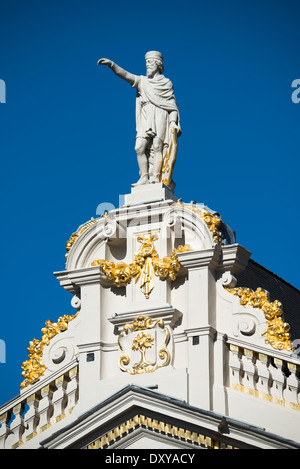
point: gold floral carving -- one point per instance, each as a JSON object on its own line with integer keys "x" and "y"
{"x": 213, "y": 223}
{"x": 277, "y": 332}
{"x": 146, "y": 264}
{"x": 141, "y": 343}
{"x": 34, "y": 368}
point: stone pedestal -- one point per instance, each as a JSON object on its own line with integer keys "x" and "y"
{"x": 147, "y": 193}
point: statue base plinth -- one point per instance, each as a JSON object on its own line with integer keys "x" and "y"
{"x": 147, "y": 193}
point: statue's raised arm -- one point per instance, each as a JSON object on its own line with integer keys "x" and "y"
{"x": 120, "y": 72}
{"x": 157, "y": 119}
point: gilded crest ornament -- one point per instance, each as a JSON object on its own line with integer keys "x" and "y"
{"x": 151, "y": 346}
{"x": 146, "y": 264}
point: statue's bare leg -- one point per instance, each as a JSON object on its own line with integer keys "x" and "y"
{"x": 157, "y": 160}
{"x": 140, "y": 148}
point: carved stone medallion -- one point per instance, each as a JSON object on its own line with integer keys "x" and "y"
{"x": 143, "y": 344}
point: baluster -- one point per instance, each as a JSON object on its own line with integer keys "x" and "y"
{"x": 264, "y": 377}
{"x": 292, "y": 388}
{"x": 31, "y": 417}
{"x": 72, "y": 389}
{"x": 4, "y": 430}
{"x": 45, "y": 408}
{"x": 235, "y": 365}
{"x": 59, "y": 399}
{"x": 250, "y": 373}
{"x": 17, "y": 427}
{"x": 279, "y": 382}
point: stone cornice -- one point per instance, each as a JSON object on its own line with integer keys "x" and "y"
{"x": 234, "y": 258}
{"x": 72, "y": 280}
{"x": 169, "y": 314}
{"x": 204, "y": 258}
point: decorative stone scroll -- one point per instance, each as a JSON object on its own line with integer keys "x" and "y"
{"x": 143, "y": 344}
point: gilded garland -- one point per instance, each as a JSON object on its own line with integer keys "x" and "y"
{"x": 146, "y": 264}
{"x": 34, "y": 368}
{"x": 277, "y": 332}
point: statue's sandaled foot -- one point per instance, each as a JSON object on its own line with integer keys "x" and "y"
{"x": 143, "y": 180}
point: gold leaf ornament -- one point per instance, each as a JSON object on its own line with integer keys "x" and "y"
{"x": 142, "y": 341}
{"x": 277, "y": 332}
{"x": 120, "y": 273}
{"x": 34, "y": 368}
{"x": 146, "y": 264}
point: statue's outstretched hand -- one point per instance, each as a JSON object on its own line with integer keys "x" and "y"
{"x": 104, "y": 62}
{"x": 120, "y": 72}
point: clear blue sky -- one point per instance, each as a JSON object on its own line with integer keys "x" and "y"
{"x": 68, "y": 130}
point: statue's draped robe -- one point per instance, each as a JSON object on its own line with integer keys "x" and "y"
{"x": 154, "y": 103}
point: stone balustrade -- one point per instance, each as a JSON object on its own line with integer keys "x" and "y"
{"x": 32, "y": 415}
{"x": 265, "y": 376}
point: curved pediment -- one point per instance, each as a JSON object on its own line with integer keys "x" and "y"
{"x": 182, "y": 224}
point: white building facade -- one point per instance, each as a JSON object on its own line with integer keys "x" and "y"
{"x": 164, "y": 349}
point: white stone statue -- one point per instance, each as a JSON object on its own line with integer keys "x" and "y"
{"x": 157, "y": 119}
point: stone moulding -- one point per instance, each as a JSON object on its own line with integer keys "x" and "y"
{"x": 171, "y": 316}
{"x": 34, "y": 368}
{"x": 146, "y": 264}
{"x": 76, "y": 235}
{"x": 81, "y": 230}
{"x": 277, "y": 332}
{"x": 213, "y": 223}
{"x": 157, "y": 426}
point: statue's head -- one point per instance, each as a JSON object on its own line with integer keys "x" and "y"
{"x": 154, "y": 63}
